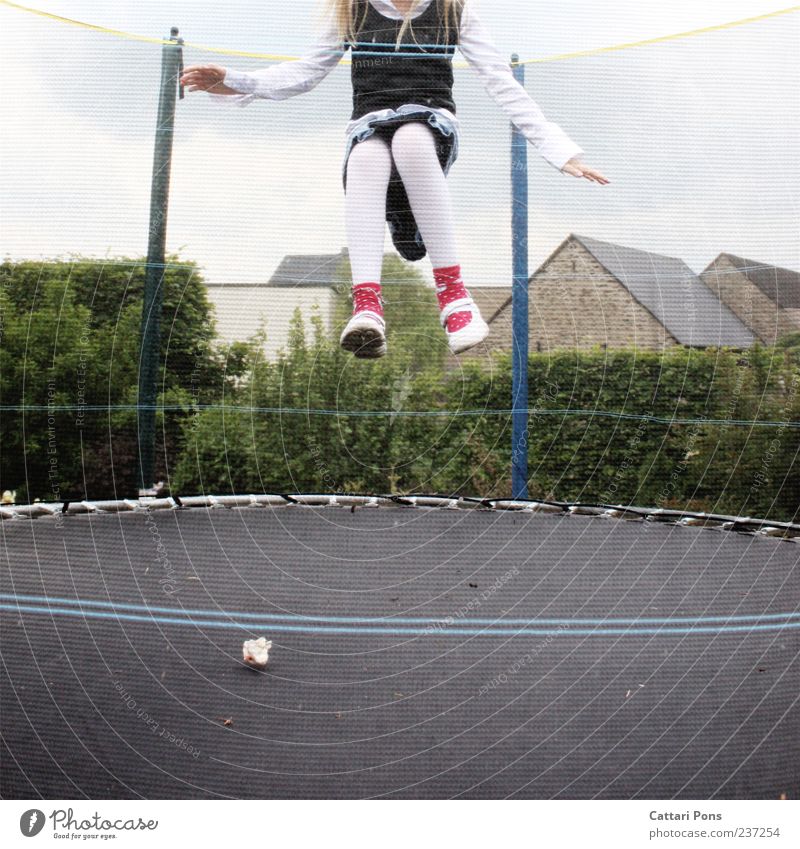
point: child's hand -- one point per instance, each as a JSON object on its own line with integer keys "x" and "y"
{"x": 206, "y": 78}
{"x": 577, "y": 169}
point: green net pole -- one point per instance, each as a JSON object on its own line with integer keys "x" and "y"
{"x": 171, "y": 68}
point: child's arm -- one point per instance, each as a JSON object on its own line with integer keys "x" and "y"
{"x": 548, "y": 138}
{"x": 277, "y": 82}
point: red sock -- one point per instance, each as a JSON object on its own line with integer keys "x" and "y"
{"x": 450, "y": 287}
{"x": 367, "y": 296}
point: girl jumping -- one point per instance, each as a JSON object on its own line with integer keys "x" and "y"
{"x": 401, "y": 140}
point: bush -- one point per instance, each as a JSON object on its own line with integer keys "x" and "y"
{"x": 70, "y": 338}
{"x": 577, "y": 452}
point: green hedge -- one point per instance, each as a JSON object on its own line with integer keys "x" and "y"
{"x": 70, "y": 337}
{"x": 586, "y": 457}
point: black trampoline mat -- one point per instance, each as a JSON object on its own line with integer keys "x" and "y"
{"x": 416, "y": 654}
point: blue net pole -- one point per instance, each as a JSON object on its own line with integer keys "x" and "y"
{"x": 519, "y": 311}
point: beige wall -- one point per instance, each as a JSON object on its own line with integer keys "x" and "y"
{"x": 241, "y": 310}
{"x": 762, "y": 315}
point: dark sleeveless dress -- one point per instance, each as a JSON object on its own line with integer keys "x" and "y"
{"x": 422, "y": 74}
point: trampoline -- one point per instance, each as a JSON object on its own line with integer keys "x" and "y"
{"x": 422, "y": 648}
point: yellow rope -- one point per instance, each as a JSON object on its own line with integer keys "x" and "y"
{"x": 278, "y": 58}
{"x": 662, "y": 38}
{"x": 150, "y": 39}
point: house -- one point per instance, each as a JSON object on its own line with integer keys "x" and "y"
{"x": 589, "y": 292}
{"x": 312, "y": 282}
{"x": 765, "y": 297}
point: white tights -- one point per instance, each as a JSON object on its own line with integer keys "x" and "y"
{"x": 369, "y": 167}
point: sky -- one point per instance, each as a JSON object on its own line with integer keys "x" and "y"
{"x": 699, "y": 136}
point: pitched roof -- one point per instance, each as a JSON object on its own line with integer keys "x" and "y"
{"x": 309, "y": 270}
{"x": 780, "y": 285}
{"x": 673, "y": 293}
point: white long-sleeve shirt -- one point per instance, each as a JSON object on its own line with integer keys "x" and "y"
{"x": 287, "y": 79}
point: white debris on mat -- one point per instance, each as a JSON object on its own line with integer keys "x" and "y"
{"x": 256, "y": 652}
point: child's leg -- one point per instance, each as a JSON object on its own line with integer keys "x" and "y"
{"x": 369, "y": 169}
{"x": 414, "y": 153}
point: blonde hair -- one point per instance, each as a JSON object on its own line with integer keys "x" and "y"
{"x": 345, "y": 14}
